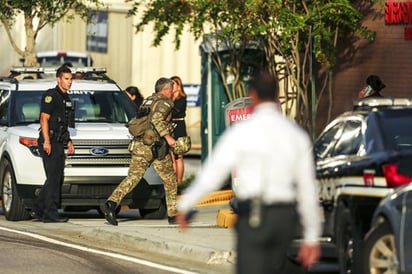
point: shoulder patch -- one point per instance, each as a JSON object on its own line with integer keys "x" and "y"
{"x": 148, "y": 102}
{"x": 48, "y": 99}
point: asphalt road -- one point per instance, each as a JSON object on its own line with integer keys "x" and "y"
{"x": 24, "y": 253}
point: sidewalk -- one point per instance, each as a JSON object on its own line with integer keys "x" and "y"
{"x": 210, "y": 240}
{"x": 203, "y": 242}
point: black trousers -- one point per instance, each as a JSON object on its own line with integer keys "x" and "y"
{"x": 263, "y": 250}
{"x": 48, "y": 201}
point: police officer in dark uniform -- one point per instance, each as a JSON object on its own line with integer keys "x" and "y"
{"x": 56, "y": 115}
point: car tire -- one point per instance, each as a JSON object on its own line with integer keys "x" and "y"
{"x": 348, "y": 241}
{"x": 380, "y": 246}
{"x": 157, "y": 213}
{"x": 13, "y": 207}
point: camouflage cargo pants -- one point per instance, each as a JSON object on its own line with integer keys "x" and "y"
{"x": 141, "y": 159}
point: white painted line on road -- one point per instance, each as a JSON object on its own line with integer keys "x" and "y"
{"x": 96, "y": 251}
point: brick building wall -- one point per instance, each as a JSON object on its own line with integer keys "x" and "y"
{"x": 389, "y": 56}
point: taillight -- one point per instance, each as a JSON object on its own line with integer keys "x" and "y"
{"x": 393, "y": 178}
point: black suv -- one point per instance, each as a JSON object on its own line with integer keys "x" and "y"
{"x": 361, "y": 156}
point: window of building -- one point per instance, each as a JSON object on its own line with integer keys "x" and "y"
{"x": 97, "y": 32}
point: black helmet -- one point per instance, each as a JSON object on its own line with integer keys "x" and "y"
{"x": 375, "y": 82}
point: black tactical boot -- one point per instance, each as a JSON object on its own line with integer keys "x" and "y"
{"x": 110, "y": 212}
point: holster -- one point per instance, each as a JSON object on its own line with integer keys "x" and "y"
{"x": 160, "y": 149}
{"x": 62, "y": 135}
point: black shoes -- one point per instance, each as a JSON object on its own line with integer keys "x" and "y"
{"x": 110, "y": 212}
{"x": 55, "y": 220}
{"x": 171, "y": 220}
{"x": 39, "y": 217}
{"x": 36, "y": 216}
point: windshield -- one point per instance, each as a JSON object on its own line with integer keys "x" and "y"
{"x": 89, "y": 106}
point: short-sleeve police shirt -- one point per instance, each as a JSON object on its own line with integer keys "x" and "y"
{"x": 54, "y": 103}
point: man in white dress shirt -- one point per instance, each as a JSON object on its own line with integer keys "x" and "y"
{"x": 272, "y": 159}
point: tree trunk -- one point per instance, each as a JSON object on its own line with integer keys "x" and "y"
{"x": 30, "y": 59}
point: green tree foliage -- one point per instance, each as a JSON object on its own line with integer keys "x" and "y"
{"x": 298, "y": 37}
{"x": 37, "y": 14}
{"x": 306, "y": 35}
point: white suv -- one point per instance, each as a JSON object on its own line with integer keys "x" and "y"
{"x": 100, "y": 138}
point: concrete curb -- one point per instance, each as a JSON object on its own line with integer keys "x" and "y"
{"x": 152, "y": 243}
{"x": 203, "y": 243}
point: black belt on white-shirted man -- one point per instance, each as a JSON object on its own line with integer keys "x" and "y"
{"x": 244, "y": 206}
{"x": 253, "y": 208}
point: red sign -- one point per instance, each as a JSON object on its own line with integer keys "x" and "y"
{"x": 369, "y": 177}
{"x": 398, "y": 12}
{"x": 239, "y": 114}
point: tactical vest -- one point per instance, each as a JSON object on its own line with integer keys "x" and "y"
{"x": 60, "y": 120}
{"x": 140, "y": 126}
{"x": 68, "y": 119}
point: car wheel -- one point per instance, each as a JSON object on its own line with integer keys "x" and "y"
{"x": 13, "y": 206}
{"x": 157, "y": 213}
{"x": 380, "y": 250}
{"x": 348, "y": 242}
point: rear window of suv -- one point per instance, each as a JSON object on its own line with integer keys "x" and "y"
{"x": 57, "y": 58}
{"x": 396, "y": 127}
{"x": 89, "y": 106}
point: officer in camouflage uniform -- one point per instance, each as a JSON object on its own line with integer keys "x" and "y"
{"x": 145, "y": 152}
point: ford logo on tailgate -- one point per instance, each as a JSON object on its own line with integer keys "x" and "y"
{"x": 99, "y": 151}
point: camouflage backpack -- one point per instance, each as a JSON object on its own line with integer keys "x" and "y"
{"x": 139, "y": 125}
